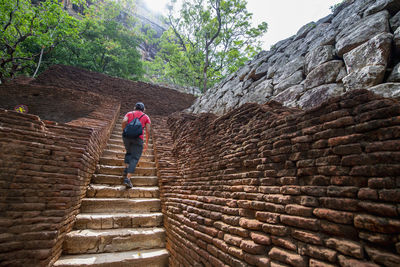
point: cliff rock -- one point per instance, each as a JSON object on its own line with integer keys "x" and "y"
{"x": 356, "y": 47}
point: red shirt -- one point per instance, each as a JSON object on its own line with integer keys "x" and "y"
{"x": 136, "y": 114}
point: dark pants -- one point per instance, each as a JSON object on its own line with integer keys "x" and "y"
{"x": 134, "y": 148}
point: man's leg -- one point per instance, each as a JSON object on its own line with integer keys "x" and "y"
{"x": 127, "y": 159}
{"x": 136, "y": 149}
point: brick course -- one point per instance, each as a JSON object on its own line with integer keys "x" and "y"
{"x": 266, "y": 185}
{"x": 45, "y": 168}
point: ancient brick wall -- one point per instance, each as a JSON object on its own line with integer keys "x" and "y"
{"x": 265, "y": 185}
{"x": 44, "y": 170}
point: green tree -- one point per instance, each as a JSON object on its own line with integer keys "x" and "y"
{"x": 103, "y": 44}
{"x": 208, "y": 40}
{"x": 29, "y": 30}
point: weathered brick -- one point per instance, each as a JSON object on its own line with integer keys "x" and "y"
{"x": 346, "y": 247}
{"x": 367, "y": 193}
{"x": 251, "y": 247}
{"x": 392, "y": 195}
{"x": 317, "y": 191}
{"x": 334, "y": 215}
{"x": 385, "y": 210}
{"x": 309, "y": 201}
{"x": 349, "y": 262}
{"x": 376, "y": 238}
{"x": 305, "y": 223}
{"x": 233, "y": 240}
{"x": 298, "y": 210}
{"x": 288, "y": 257}
{"x": 318, "y": 252}
{"x": 377, "y": 224}
{"x": 268, "y": 217}
{"x": 308, "y": 237}
{"x": 260, "y": 238}
{"x": 284, "y": 242}
{"x": 344, "y": 140}
{"x": 340, "y": 230}
{"x": 257, "y": 260}
{"x": 383, "y": 257}
{"x": 317, "y": 263}
{"x": 250, "y": 224}
{"x": 278, "y": 230}
{"x": 339, "y": 203}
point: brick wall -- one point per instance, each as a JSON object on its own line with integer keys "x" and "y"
{"x": 44, "y": 170}
{"x": 265, "y": 185}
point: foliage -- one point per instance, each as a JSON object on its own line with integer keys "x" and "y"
{"x": 208, "y": 40}
{"x": 103, "y": 44}
{"x": 338, "y": 5}
{"x": 26, "y": 29}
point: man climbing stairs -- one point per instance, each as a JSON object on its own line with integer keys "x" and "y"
{"x": 118, "y": 226}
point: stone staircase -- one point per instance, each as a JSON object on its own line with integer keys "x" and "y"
{"x": 118, "y": 226}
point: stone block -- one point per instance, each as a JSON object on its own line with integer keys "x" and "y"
{"x": 360, "y": 32}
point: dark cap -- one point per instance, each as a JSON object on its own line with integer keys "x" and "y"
{"x": 139, "y": 106}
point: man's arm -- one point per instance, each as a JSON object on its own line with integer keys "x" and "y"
{"x": 124, "y": 122}
{"x": 147, "y": 128}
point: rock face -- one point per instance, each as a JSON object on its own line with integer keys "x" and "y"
{"x": 356, "y": 47}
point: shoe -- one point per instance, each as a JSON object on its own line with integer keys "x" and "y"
{"x": 127, "y": 183}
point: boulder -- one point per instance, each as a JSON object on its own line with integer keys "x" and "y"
{"x": 396, "y": 39}
{"x": 364, "y": 78}
{"x": 395, "y": 74}
{"x": 281, "y": 61}
{"x": 350, "y": 20}
{"x": 259, "y": 94}
{"x": 261, "y": 70}
{"x": 341, "y": 75}
{"x": 242, "y": 73}
{"x": 304, "y": 30}
{"x": 288, "y": 69}
{"x": 317, "y": 95}
{"x": 358, "y": 33}
{"x": 324, "y": 34}
{"x": 395, "y": 22}
{"x": 387, "y": 90}
{"x": 374, "y": 52}
{"x": 393, "y": 6}
{"x": 317, "y": 56}
{"x": 323, "y": 74}
{"x": 326, "y": 19}
{"x": 295, "y": 49}
{"x": 295, "y": 79}
{"x": 289, "y": 96}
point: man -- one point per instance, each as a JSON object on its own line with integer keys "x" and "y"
{"x": 134, "y": 147}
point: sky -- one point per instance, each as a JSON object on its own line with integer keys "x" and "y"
{"x": 284, "y": 17}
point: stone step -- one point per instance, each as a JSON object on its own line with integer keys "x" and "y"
{"x": 118, "y": 205}
{"x": 117, "y": 220}
{"x": 117, "y": 140}
{"x": 136, "y": 258}
{"x": 120, "y": 191}
{"x": 118, "y": 180}
{"x": 119, "y": 170}
{"x": 113, "y": 240}
{"x": 143, "y": 162}
{"x": 121, "y": 153}
{"x": 122, "y": 147}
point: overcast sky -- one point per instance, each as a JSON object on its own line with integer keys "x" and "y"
{"x": 284, "y": 17}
